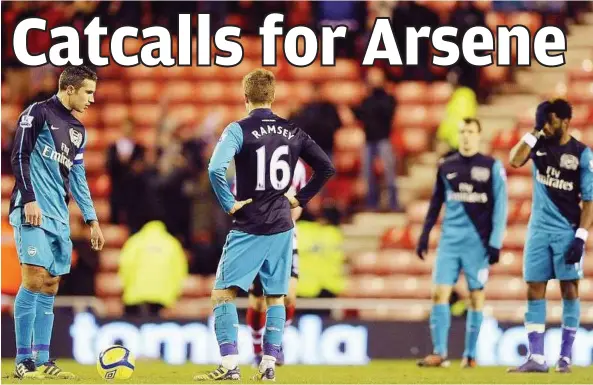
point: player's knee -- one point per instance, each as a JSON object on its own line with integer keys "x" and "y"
{"x": 441, "y": 295}
{"x": 33, "y": 278}
{"x": 476, "y": 300}
{"x": 536, "y": 290}
{"x": 50, "y": 285}
{"x": 275, "y": 300}
{"x": 220, "y": 297}
{"x": 569, "y": 289}
{"x": 257, "y": 303}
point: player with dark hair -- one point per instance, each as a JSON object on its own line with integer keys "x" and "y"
{"x": 47, "y": 161}
{"x": 473, "y": 188}
{"x": 265, "y": 148}
{"x": 558, "y": 227}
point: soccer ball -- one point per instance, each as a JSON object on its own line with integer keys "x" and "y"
{"x": 116, "y": 363}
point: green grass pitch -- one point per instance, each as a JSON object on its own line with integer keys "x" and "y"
{"x": 377, "y": 372}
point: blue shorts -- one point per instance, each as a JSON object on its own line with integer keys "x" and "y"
{"x": 245, "y": 256}
{"x": 544, "y": 257}
{"x": 48, "y": 245}
{"x": 472, "y": 260}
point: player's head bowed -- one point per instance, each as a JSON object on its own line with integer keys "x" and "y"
{"x": 559, "y": 114}
{"x": 77, "y": 86}
{"x": 259, "y": 87}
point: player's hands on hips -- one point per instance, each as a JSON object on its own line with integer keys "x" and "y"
{"x": 422, "y": 247}
{"x": 575, "y": 252}
{"x": 33, "y": 213}
{"x": 239, "y": 205}
{"x": 294, "y": 203}
{"x": 493, "y": 255}
{"x": 97, "y": 239}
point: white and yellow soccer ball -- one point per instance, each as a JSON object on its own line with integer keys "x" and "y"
{"x": 116, "y": 363}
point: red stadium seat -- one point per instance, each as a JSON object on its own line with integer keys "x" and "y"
{"x": 519, "y": 187}
{"x": 582, "y": 115}
{"x": 144, "y": 72}
{"x": 114, "y": 307}
{"x": 345, "y": 69}
{"x": 145, "y": 114}
{"x": 193, "y": 286}
{"x": 515, "y": 236}
{"x": 108, "y": 285}
{"x": 179, "y": 72}
{"x": 411, "y": 116}
{"x": 111, "y": 71}
{"x": 109, "y": 260}
{"x": 91, "y": 117}
{"x": 343, "y": 92}
{"x": 495, "y": 74}
{"x": 440, "y": 92}
{"x": 208, "y": 72}
{"x": 94, "y": 162}
{"x": 415, "y": 140}
{"x": 115, "y": 235}
{"x": 100, "y": 186}
{"x": 506, "y": 288}
{"x": 252, "y": 47}
{"x": 349, "y": 139}
{"x": 511, "y": 263}
{"x": 584, "y": 72}
{"x": 217, "y": 92}
{"x": 179, "y": 91}
{"x": 7, "y": 185}
{"x": 416, "y": 211}
{"x": 145, "y": 91}
{"x": 10, "y": 114}
{"x": 581, "y": 92}
{"x": 314, "y": 72}
{"x": 111, "y": 91}
{"x": 183, "y": 113}
{"x": 411, "y": 92}
{"x": 113, "y": 115}
{"x": 531, "y": 20}
{"x": 298, "y": 91}
{"x": 186, "y": 308}
{"x": 494, "y": 19}
{"x": 346, "y": 115}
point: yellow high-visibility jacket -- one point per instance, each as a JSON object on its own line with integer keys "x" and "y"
{"x": 152, "y": 266}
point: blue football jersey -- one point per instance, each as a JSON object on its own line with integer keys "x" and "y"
{"x": 562, "y": 178}
{"x": 48, "y": 161}
{"x": 474, "y": 192}
{"x": 266, "y": 149}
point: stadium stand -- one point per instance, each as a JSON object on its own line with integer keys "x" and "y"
{"x": 379, "y": 246}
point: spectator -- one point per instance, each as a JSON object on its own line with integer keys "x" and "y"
{"x": 414, "y": 14}
{"x": 376, "y": 113}
{"x": 120, "y": 157}
{"x": 152, "y": 268}
{"x": 465, "y": 16}
{"x": 321, "y": 255}
{"x": 349, "y": 13}
{"x": 463, "y": 104}
{"x": 319, "y": 118}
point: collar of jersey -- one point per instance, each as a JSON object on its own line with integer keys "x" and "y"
{"x": 59, "y": 104}
{"x": 261, "y": 111}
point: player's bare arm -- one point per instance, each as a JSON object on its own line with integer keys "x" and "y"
{"x": 519, "y": 154}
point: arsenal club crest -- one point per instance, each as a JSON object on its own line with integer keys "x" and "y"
{"x": 76, "y": 137}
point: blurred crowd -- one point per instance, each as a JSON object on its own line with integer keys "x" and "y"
{"x": 168, "y": 183}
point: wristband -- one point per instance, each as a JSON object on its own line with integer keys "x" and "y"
{"x": 582, "y": 234}
{"x": 529, "y": 139}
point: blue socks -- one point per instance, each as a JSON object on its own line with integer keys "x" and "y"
{"x": 535, "y": 323}
{"x": 472, "y": 330}
{"x": 275, "y": 320}
{"x": 44, "y": 323}
{"x": 571, "y": 314}
{"x": 440, "y": 321}
{"x": 24, "y": 318}
{"x": 226, "y": 327}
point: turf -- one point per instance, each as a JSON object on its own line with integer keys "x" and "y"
{"x": 377, "y": 372}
